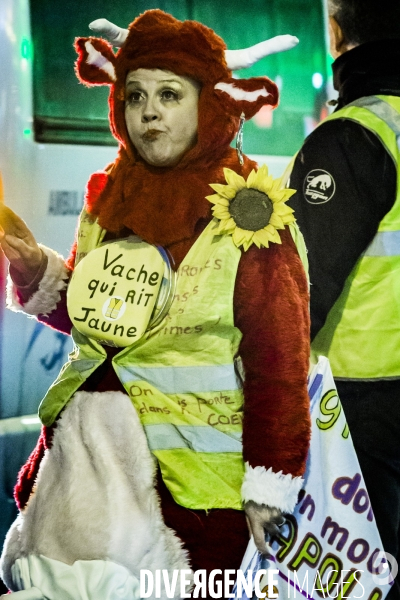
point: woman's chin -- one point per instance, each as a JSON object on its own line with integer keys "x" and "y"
{"x": 162, "y": 161}
{"x": 161, "y": 158}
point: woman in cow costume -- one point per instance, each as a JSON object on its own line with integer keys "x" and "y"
{"x": 214, "y": 382}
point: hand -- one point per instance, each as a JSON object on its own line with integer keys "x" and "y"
{"x": 263, "y": 519}
{"x": 19, "y": 245}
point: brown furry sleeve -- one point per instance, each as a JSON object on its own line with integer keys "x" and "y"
{"x": 271, "y": 310}
{"x": 59, "y": 318}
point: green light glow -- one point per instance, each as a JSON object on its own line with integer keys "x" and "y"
{"x": 26, "y": 49}
{"x": 27, "y": 132}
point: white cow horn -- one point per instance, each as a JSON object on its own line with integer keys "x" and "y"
{"x": 116, "y": 35}
{"x": 242, "y": 59}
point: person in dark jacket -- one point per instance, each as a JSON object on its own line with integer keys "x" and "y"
{"x": 346, "y": 204}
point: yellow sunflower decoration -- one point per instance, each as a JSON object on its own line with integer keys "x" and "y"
{"x": 251, "y": 211}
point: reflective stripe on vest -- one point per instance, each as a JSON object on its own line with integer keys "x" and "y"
{"x": 200, "y": 439}
{"x": 385, "y": 243}
{"x": 362, "y": 333}
{"x": 182, "y": 380}
{"x": 381, "y": 109}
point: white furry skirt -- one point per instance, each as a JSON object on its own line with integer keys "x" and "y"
{"x": 93, "y": 500}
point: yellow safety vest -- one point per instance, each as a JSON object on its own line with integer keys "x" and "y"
{"x": 361, "y": 336}
{"x": 181, "y": 376}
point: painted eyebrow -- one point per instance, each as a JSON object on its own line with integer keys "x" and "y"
{"x": 135, "y": 82}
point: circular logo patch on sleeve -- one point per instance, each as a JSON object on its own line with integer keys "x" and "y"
{"x": 319, "y": 187}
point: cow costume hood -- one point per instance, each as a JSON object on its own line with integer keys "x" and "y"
{"x": 157, "y": 40}
{"x": 132, "y": 193}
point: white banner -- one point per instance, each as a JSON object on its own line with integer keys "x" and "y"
{"x": 330, "y": 546}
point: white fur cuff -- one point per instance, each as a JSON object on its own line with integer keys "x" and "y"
{"x": 46, "y": 298}
{"x": 273, "y": 489}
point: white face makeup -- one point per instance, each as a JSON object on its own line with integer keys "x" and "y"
{"x": 161, "y": 115}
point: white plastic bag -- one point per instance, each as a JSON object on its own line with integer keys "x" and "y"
{"x": 330, "y": 546}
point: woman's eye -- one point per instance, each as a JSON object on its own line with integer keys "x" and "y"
{"x": 134, "y": 97}
{"x": 169, "y": 95}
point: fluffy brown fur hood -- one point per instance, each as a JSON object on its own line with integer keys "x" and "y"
{"x": 168, "y": 205}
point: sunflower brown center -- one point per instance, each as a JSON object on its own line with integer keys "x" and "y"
{"x": 251, "y": 209}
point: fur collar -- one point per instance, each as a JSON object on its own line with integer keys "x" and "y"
{"x": 164, "y": 206}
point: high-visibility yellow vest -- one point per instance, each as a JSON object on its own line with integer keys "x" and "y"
{"x": 181, "y": 376}
{"x": 361, "y": 336}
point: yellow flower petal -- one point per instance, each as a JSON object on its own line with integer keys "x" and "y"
{"x": 276, "y": 221}
{"x": 288, "y": 193}
{"x": 217, "y": 199}
{"x": 262, "y": 238}
{"x": 224, "y": 190}
{"x": 225, "y": 228}
{"x": 265, "y": 185}
{"x": 252, "y": 180}
{"x": 277, "y": 184}
{"x": 263, "y": 177}
{"x": 262, "y": 172}
{"x": 237, "y": 236}
{"x": 231, "y": 224}
{"x": 248, "y": 235}
{"x": 282, "y": 209}
{"x": 247, "y": 244}
{"x": 234, "y": 180}
{"x": 281, "y": 195}
{"x": 288, "y": 219}
{"x": 274, "y": 235}
{"x": 277, "y": 195}
{"x": 240, "y": 236}
{"x": 221, "y": 212}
